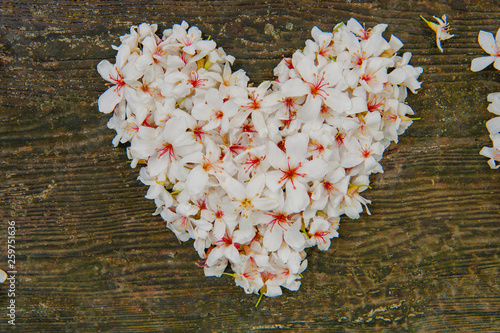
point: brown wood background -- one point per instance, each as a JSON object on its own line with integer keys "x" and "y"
{"x": 90, "y": 256}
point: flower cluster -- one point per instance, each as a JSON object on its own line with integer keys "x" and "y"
{"x": 491, "y": 44}
{"x": 257, "y": 174}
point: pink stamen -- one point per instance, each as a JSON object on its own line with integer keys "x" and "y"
{"x": 320, "y": 236}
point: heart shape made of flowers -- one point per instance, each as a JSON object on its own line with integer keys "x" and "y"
{"x": 257, "y": 174}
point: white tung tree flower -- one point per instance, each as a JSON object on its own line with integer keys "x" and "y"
{"x": 293, "y": 171}
{"x": 491, "y": 44}
{"x": 441, "y": 29}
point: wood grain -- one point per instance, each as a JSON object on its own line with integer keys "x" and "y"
{"x": 92, "y": 258}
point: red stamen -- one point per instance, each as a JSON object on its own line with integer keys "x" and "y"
{"x": 219, "y": 213}
{"x": 340, "y": 139}
{"x": 290, "y": 103}
{"x": 119, "y": 82}
{"x": 226, "y": 240}
{"x": 236, "y": 149}
{"x": 219, "y": 114}
{"x": 198, "y": 132}
{"x": 202, "y": 203}
{"x": 329, "y": 188}
{"x": 359, "y": 59}
{"x": 319, "y": 148}
{"x": 248, "y": 128}
{"x": 288, "y": 62}
{"x": 266, "y": 276}
{"x": 367, "y": 77}
{"x": 292, "y": 115}
{"x": 281, "y": 145}
{"x": 291, "y": 174}
{"x": 366, "y": 152}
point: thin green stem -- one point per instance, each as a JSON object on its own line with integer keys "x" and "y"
{"x": 260, "y": 297}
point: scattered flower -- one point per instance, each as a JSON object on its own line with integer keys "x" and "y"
{"x": 441, "y": 29}
{"x": 491, "y": 45}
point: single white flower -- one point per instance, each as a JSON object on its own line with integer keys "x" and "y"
{"x": 248, "y": 198}
{"x": 490, "y": 44}
{"x": 224, "y": 247}
{"x": 441, "y": 29}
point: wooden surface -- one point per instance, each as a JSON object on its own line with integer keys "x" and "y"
{"x": 92, "y": 258}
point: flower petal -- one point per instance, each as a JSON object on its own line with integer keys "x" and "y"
{"x": 294, "y": 238}
{"x": 275, "y": 156}
{"x": 314, "y": 170}
{"x": 107, "y": 70}
{"x": 256, "y": 185}
{"x": 273, "y": 180}
{"x": 295, "y": 87}
{"x": 487, "y": 41}
{"x": 481, "y": 63}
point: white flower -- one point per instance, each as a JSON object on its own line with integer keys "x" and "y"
{"x": 318, "y": 84}
{"x": 248, "y": 277}
{"x": 224, "y": 247}
{"x": 490, "y": 44}
{"x": 330, "y": 191}
{"x": 191, "y": 39}
{"x": 360, "y": 31}
{"x": 353, "y": 203}
{"x": 441, "y": 29}
{"x": 224, "y": 220}
{"x": 248, "y": 199}
{"x": 494, "y": 99}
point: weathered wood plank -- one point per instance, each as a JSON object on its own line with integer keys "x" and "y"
{"x": 92, "y": 258}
